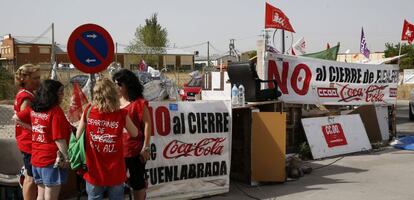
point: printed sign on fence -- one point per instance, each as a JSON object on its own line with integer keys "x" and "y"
{"x": 191, "y": 146}
{"x": 315, "y": 81}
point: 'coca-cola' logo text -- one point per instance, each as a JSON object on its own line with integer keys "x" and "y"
{"x": 373, "y": 93}
{"x": 205, "y": 147}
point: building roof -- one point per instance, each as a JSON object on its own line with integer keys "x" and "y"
{"x": 204, "y": 58}
{"x": 60, "y": 49}
{"x": 168, "y": 51}
{"x": 32, "y": 40}
{"x": 174, "y": 51}
{"x": 171, "y": 51}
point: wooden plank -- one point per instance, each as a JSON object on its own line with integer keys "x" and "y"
{"x": 268, "y": 147}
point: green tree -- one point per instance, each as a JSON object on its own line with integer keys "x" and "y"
{"x": 150, "y": 40}
{"x": 406, "y": 62}
{"x": 6, "y": 84}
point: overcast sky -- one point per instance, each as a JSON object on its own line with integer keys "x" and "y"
{"x": 195, "y": 21}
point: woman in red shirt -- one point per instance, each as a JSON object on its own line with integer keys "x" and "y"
{"x": 27, "y": 78}
{"x": 50, "y": 136}
{"x": 136, "y": 150}
{"x": 103, "y": 142}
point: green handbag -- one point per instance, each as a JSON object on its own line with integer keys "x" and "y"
{"x": 76, "y": 150}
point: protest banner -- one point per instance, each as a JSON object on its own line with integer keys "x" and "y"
{"x": 190, "y": 150}
{"x": 314, "y": 81}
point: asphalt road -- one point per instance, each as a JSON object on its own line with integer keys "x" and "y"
{"x": 385, "y": 174}
{"x": 404, "y": 125}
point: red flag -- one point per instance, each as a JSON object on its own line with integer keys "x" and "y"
{"x": 275, "y": 18}
{"x": 407, "y": 33}
{"x": 328, "y": 46}
{"x": 76, "y": 103}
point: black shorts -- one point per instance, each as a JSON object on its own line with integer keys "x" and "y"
{"x": 27, "y": 160}
{"x": 136, "y": 170}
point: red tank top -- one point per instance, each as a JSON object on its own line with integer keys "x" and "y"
{"x": 133, "y": 146}
{"x": 23, "y": 136}
{"x": 104, "y": 147}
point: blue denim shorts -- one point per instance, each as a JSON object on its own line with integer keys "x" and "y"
{"x": 115, "y": 192}
{"x": 49, "y": 176}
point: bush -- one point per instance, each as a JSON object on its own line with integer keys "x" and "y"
{"x": 305, "y": 151}
{"x": 7, "y": 88}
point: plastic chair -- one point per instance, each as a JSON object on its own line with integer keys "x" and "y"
{"x": 11, "y": 163}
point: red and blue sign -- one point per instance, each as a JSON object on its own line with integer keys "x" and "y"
{"x": 90, "y": 48}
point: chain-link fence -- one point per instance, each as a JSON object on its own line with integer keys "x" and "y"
{"x": 63, "y": 75}
{"x": 8, "y": 91}
{"x": 6, "y": 123}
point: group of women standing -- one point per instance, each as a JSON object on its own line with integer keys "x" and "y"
{"x": 117, "y": 133}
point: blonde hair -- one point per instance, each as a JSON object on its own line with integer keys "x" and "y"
{"x": 105, "y": 96}
{"x": 24, "y": 71}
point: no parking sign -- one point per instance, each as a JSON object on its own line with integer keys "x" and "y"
{"x": 90, "y": 48}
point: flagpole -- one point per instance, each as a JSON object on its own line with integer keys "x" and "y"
{"x": 283, "y": 41}
{"x": 399, "y": 54}
{"x": 394, "y": 111}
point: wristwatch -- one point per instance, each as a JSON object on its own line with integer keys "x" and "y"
{"x": 147, "y": 149}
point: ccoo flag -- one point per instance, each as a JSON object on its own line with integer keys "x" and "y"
{"x": 363, "y": 45}
{"x": 275, "y": 18}
{"x": 407, "y": 33}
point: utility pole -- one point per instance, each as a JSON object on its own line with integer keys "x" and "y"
{"x": 233, "y": 51}
{"x": 208, "y": 55}
{"x": 267, "y": 40}
{"x": 52, "y": 59}
{"x": 283, "y": 41}
{"x": 231, "y": 47}
{"x": 116, "y": 51}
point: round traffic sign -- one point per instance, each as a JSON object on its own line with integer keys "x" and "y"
{"x": 90, "y": 48}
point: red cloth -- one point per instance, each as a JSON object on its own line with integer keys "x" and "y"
{"x": 133, "y": 146}
{"x": 23, "y": 136}
{"x": 408, "y": 32}
{"x": 76, "y": 103}
{"x": 104, "y": 148}
{"x": 142, "y": 66}
{"x": 47, "y": 127}
{"x": 275, "y": 18}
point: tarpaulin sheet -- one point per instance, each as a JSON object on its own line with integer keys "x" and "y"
{"x": 405, "y": 143}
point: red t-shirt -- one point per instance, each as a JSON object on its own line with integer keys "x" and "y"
{"x": 103, "y": 146}
{"x": 23, "y": 136}
{"x": 47, "y": 127}
{"x": 133, "y": 146}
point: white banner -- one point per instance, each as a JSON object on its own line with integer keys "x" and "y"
{"x": 216, "y": 87}
{"x": 314, "y": 81}
{"x": 332, "y": 136}
{"x": 408, "y": 76}
{"x": 191, "y": 148}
